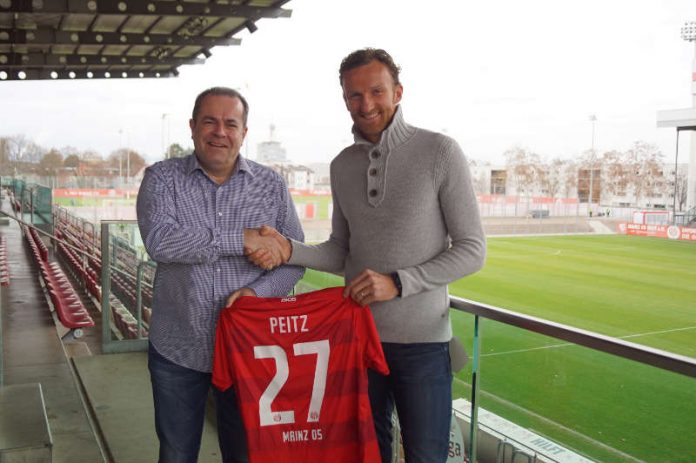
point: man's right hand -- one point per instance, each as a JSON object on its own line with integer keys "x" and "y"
{"x": 266, "y": 247}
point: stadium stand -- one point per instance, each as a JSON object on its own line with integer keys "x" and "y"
{"x": 123, "y": 297}
{"x": 67, "y": 306}
{"x": 4, "y": 268}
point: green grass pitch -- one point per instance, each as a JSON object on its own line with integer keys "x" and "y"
{"x": 607, "y": 408}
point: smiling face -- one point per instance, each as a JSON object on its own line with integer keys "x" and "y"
{"x": 218, "y": 133}
{"x": 371, "y": 97}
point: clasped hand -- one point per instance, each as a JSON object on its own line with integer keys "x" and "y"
{"x": 265, "y": 247}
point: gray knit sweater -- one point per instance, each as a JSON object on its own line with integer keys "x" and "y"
{"x": 404, "y": 204}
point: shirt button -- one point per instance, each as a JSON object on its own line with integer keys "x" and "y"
{"x": 373, "y": 172}
{"x": 218, "y": 270}
{"x": 373, "y": 193}
{"x": 220, "y": 214}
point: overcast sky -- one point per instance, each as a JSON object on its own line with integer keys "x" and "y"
{"x": 492, "y": 74}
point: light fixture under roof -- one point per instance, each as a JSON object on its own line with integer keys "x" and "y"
{"x": 688, "y": 31}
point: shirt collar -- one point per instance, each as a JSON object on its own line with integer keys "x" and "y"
{"x": 193, "y": 165}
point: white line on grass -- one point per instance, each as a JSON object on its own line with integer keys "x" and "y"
{"x": 577, "y": 434}
{"x": 637, "y": 335}
{"x": 566, "y": 344}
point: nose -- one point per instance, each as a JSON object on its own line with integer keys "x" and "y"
{"x": 219, "y": 130}
{"x": 367, "y": 104}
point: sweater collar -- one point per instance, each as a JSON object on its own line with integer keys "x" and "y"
{"x": 394, "y": 135}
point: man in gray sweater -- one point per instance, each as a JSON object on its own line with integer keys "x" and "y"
{"x": 405, "y": 224}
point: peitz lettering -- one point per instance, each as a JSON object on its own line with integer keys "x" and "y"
{"x": 290, "y": 324}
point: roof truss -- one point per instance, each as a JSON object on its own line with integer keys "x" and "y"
{"x": 72, "y": 39}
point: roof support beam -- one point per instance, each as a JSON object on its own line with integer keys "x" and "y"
{"x": 39, "y": 60}
{"x": 47, "y": 37}
{"x": 144, "y": 8}
{"x": 7, "y": 74}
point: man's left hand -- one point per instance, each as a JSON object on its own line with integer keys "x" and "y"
{"x": 239, "y": 293}
{"x": 370, "y": 286}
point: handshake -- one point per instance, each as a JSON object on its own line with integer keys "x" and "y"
{"x": 266, "y": 248}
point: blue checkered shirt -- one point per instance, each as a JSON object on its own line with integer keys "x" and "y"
{"x": 193, "y": 228}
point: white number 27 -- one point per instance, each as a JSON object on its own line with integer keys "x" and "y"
{"x": 322, "y": 350}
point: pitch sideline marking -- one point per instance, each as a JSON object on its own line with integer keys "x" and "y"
{"x": 566, "y": 344}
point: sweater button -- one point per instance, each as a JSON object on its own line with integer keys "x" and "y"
{"x": 375, "y": 155}
{"x": 373, "y": 193}
{"x": 373, "y": 172}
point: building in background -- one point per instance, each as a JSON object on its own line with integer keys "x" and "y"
{"x": 271, "y": 151}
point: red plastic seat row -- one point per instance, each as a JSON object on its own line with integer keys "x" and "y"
{"x": 4, "y": 268}
{"x": 126, "y": 323}
{"x": 32, "y": 245}
{"x": 67, "y": 304}
{"x": 86, "y": 274}
{"x": 43, "y": 250}
{"x": 91, "y": 279}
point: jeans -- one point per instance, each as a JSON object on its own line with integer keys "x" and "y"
{"x": 420, "y": 385}
{"x": 180, "y": 396}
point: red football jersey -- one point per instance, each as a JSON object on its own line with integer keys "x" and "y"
{"x": 299, "y": 367}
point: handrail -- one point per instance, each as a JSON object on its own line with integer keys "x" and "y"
{"x": 68, "y": 244}
{"x": 629, "y": 350}
{"x": 45, "y": 233}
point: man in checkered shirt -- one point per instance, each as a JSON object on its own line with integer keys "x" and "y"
{"x": 197, "y": 215}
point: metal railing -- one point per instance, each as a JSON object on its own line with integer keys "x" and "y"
{"x": 688, "y": 217}
{"x": 643, "y": 354}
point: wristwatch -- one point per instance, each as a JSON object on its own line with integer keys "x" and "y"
{"x": 397, "y": 283}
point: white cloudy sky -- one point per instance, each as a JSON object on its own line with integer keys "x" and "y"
{"x": 492, "y": 74}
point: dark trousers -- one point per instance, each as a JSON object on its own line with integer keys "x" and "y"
{"x": 180, "y": 396}
{"x": 420, "y": 386}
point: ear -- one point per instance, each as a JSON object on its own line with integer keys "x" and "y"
{"x": 192, "y": 125}
{"x": 345, "y": 98}
{"x": 398, "y": 93}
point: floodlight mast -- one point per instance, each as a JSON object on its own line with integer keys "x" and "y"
{"x": 688, "y": 33}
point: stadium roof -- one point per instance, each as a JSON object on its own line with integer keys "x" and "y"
{"x": 84, "y": 39}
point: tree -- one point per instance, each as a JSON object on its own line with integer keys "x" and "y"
{"x": 33, "y": 153}
{"x": 175, "y": 150}
{"x": 644, "y": 161}
{"x": 524, "y": 166}
{"x": 51, "y": 162}
{"x": 478, "y": 177}
{"x": 72, "y": 161}
{"x": 68, "y": 150}
{"x": 126, "y": 162}
{"x": 16, "y": 145}
{"x": 91, "y": 156}
{"x": 570, "y": 174}
{"x": 617, "y": 173}
{"x": 4, "y": 152}
{"x": 682, "y": 186}
{"x": 552, "y": 176}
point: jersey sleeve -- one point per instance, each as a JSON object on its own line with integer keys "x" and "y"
{"x": 222, "y": 359}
